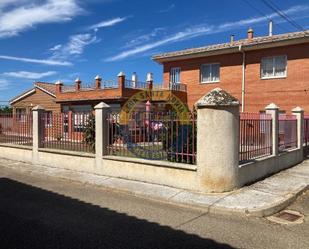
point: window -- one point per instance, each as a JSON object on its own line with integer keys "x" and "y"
{"x": 80, "y": 120}
{"x": 210, "y": 73}
{"x": 21, "y": 114}
{"x": 175, "y": 75}
{"x": 273, "y": 67}
{"x": 48, "y": 118}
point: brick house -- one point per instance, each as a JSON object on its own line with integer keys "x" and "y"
{"x": 68, "y": 104}
{"x": 256, "y": 70}
{"x": 81, "y": 97}
{"x": 42, "y": 93}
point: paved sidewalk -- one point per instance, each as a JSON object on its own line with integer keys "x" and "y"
{"x": 260, "y": 199}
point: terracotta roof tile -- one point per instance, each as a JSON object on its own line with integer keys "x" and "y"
{"x": 49, "y": 87}
{"x": 243, "y": 42}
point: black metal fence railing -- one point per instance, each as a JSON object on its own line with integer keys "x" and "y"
{"x": 68, "y": 131}
{"x": 255, "y": 136}
{"x": 153, "y": 135}
{"x": 16, "y": 129}
{"x": 287, "y": 132}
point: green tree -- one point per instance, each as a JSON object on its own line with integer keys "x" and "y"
{"x": 5, "y": 109}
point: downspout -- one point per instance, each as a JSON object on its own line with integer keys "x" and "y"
{"x": 243, "y": 84}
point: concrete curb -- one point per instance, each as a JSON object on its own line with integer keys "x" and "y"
{"x": 261, "y": 199}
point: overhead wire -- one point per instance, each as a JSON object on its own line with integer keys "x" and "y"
{"x": 265, "y": 15}
{"x": 281, "y": 13}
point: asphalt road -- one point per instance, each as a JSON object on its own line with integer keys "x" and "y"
{"x": 43, "y": 212}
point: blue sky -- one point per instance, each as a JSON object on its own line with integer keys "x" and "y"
{"x": 50, "y": 40}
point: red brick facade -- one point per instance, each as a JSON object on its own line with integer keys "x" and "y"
{"x": 287, "y": 93}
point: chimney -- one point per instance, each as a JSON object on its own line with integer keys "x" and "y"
{"x": 77, "y": 84}
{"x": 250, "y": 34}
{"x": 59, "y": 85}
{"x": 271, "y": 28}
{"x": 98, "y": 80}
{"x": 232, "y": 39}
{"x": 149, "y": 80}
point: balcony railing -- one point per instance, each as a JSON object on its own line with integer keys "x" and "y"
{"x": 172, "y": 86}
{"x": 178, "y": 87}
{"x": 128, "y": 84}
{"x": 135, "y": 84}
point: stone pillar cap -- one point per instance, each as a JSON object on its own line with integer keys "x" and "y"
{"x": 297, "y": 109}
{"x": 217, "y": 97}
{"x": 149, "y": 77}
{"x": 58, "y": 82}
{"x": 271, "y": 106}
{"x": 101, "y": 106}
{"x": 37, "y": 108}
{"x": 121, "y": 74}
{"x": 97, "y": 77}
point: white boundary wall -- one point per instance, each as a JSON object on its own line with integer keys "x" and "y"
{"x": 217, "y": 168}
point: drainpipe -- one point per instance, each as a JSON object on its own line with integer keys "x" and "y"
{"x": 243, "y": 84}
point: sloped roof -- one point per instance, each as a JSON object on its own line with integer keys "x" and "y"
{"x": 255, "y": 42}
{"x": 48, "y": 88}
{"x": 22, "y": 95}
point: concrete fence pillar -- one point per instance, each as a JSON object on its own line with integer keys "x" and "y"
{"x": 37, "y": 130}
{"x": 218, "y": 141}
{"x": 101, "y": 131}
{"x": 299, "y": 113}
{"x": 273, "y": 110}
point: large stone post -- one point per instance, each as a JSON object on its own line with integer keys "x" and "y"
{"x": 37, "y": 131}
{"x": 299, "y": 113}
{"x": 273, "y": 110}
{"x": 218, "y": 141}
{"x": 101, "y": 132}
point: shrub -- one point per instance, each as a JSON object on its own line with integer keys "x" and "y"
{"x": 89, "y": 132}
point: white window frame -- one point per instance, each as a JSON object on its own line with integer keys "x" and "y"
{"x": 211, "y": 81}
{"x": 274, "y": 76}
{"x": 173, "y": 70}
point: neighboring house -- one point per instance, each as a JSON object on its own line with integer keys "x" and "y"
{"x": 258, "y": 71}
{"x": 43, "y": 94}
{"x": 82, "y": 97}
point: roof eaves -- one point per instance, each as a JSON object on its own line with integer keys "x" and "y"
{"x": 22, "y": 95}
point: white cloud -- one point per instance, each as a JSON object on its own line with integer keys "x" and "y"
{"x": 18, "y": 16}
{"x": 107, "y": 23}
{"x": 184, "y": 35}
{"x": 4, "y": 84}
{"x": 200, "y": 30}
{"x": 75, "y": 46}
{"x": 167, "y": 9}
{"x": 29, "y": 75}
{"x": 38, "y": 61}
{"x": 144, "y": 38}
{"x": 56, "y": 47}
